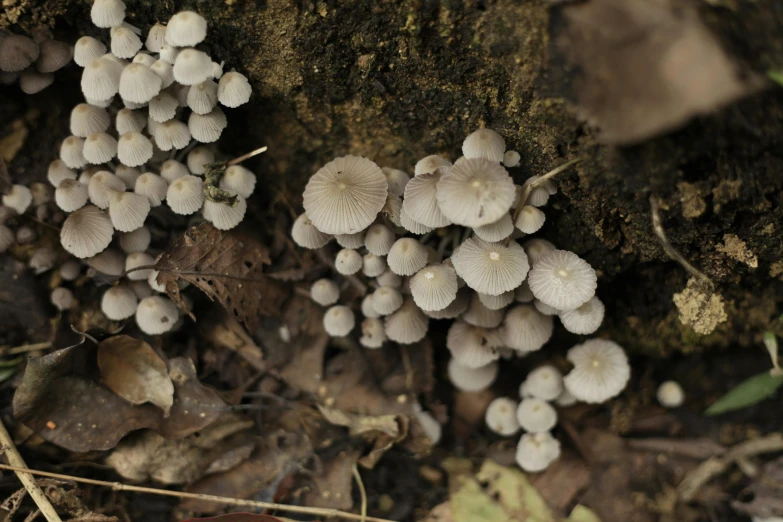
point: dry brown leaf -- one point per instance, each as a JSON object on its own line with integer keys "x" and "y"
{"x": 228, "y": 267}
{"x": 131, "y": 369}
{"x": 14, "y": 140}
{"x": 195, "y": 406}
{"x": 765, "y": 492}
{"x": 332, "y": 488}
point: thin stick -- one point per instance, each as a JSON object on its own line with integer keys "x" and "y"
{"x": 249, "y": 155}
{"x": 362, "y": 492}
{"x": 537, "y": 183}
{"x": 26, "y": 478}
{"x": 119, "y": 486}
{"x": 8, "y": 350}
{"x": 672, "y": 252}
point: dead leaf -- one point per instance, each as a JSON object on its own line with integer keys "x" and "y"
{"x": 332, "y": 488}
{"x": 767, "y": 500}
{"x": 195, "y": 406}
{"x": 638, "y": 68}
{"x": 13, "y": 140}
{"x": 223, "y": 330}
{"x": 131, "y": 369}
{"x": 228, "y": 267}
{"x": 562, "y": 482}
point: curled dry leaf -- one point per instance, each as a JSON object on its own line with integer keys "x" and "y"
{"x": 228, "y": 267}
{"x": 131, "y": 369}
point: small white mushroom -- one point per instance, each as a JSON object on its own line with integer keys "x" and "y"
{"x": 430, "y": 164}
{"x": 109, "y": 262}
{"x": 535, "y": 415}
{"x": 373, "y": 333}
{"x": 172, "y": 134}
{"x": 490, "y": 268}
{"x": 501, "y": 416}
{"x": 135, "y": 241}
{"x": 434, "y": 287}
{"x": 525, "y": 329}
{"x": 119, "y": 302}
{"x": 86, "y": 50}
{"x": 511, "y": 158}
{"x": 407, "y": 325}
{"x": 233, "y": 90}
{"x": 670, "y": 394}
{"x": 202, "y": 97}
{"x": 62, "y": 298}
{"x": 545, "y": 383}
{"x": 536, "y": 451}
{"x": 407, "y": 256}
{"x": 530, "y": 219}
{"x": 166, "y": 73}
{"x": 584, "y": 320}
{"x": 139, "y": 84}
{"x": 373, "y": 266}
{"x": 71, "y": 152}
{"x": 601, "y": 371}
{"x": 475, "y": 192}
{"x": 86, "y": 232}
{"x": 152, "y": 186}
{"x": 124, "y": 43}
{"x": 191, "y": 66}
{"x": 163, "y": 107}
{"x": 156, "y": 315}
{"x": 238, "y": 179}
{"x": 186, "y": 29}
{"x": 386, "y": 300}
{"x": 128, "y": 210}
{"x": 325, "y": 292}
{"x": 472, "y": 379}
{"x": 107, "y": 13}
{"x": 479, "y": 315}
{"x": 472, "y": 346}
{"x": 348, "y": 261}
{"x": 99, "y": 148}
{"x": 224, "y": 216}
{"x": 420, "y": 203}
{"x": 134, "y": 149}
{"x": 102, "y": 185}
{"x": 198, "y": 158}
{"x": 129, "y": 121}
{"x": 184, "y": 195}
{"x": 87, "y": 119}
{"x": 135, "y": 260}
{"x": 484, "y": 143}
{"x": 306, "y": 235}
{"x": 70, "y": 195}
{"x": 208, "y": 127}
{"x": 339, "y": 320}
{"x": 173, "y": 169}
{"x": 156, "y": 38}
{"x": 18, "y": 198}
{"x": 562, "y": 280}
{"x": 101, "y": 78}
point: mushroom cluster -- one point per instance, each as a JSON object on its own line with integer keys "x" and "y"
{"x": 142, "y": 142}
{"x": 453, "y": 243}
{"x": 31, "y": 61}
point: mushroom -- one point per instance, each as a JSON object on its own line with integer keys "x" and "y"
{"x": 536, "y": 451}
{"x": 479, "y": 315}
{"x": 184, "y": 196}
{"x": 107, "y": 13}
{"x": 390, "y": 279}
{"x": 472, "y": 346}
{"x": 233, "y": 90}
{"x": 169, "y": 54}
{"x": 208, "y": 127}
{"x": 501, "y": 416}
{"x": 535, "y": 415}
{"x": 325, "y": 292}
{"x": 392, "y": 209}
{"x": 134, "y": 149}
{"x": 151, "y": 186}
{"x": 59, "y": 171}
{"x": 407, "y": 325}
{"x": 430, "y": 164}
{"x": 101, "y": 78}
{"x": 156, "y": 315}
{"x": 129, "y": 121}
{"x": 373, "y": 266}
{"x": 139, "y": 84}
{"x": 70, "y": 195}
{"x": 348, "y": 261}
{"x": 186, "y": 29}
{"x": 407, "y": 256}
{"x": 202, "y": 97}
{"x": 670, "y": 394}
{"x": 191, "y": 66}
{"x": 497, "y": 231}
{"x": 135, "y": 241}
{"x": 373, "y": 334}
{"x": 144, "y": 59}
{"x": 306, "y": 235}
{"x": 420, "y": 203}
{"x": 511, "y": 158}
{"x": 368, "y": 308}
{"x": 545, "y": 383}
{"x": 565, "y": 399}
{"x": 386, "y": 300}
{"x": 87, "y": 119}
{"x": 353, "y": 241}
{"x": 109, "y": 262}
{"x": 490, "y": 268}
{"x": 414, "y": 227}
{"x": 525, "y": 329}
{"x": 17, "y": 52}
{"x": 42, "y": 260}
{"x": 496, "y": 302}
{"x": 562, "y": 280}
{"x": 128, "y": 210}
{"x": 173, "y": 169}
{"x": 530, "y": 219}
{"x": 71, "y": 152}
{"x": 545, "y": 308}
{"x": 172, "y": 134}
{"x": 62, "y": 298}
{"x": 163, "y": 107}
{"x": 600, "y": 372}
{"x": 70, "y": 270}
{"x": 224, "y": 216}
{"x": 472, "y": 379}
{"x": 396, "y": 179}
{"x": 475, "y": 192}
{"x": 454, "y": 309}
{"x": 119, "y": 302}
{"x": 32, "y": 81}
{"x": 198, "y": 158}
{"x": 238, "y": 179}
{"x": 101, "y": 186}
{"x": 86, "y": 50}
{"x": 434, "y": 287}
{"x": 536, "y": 249}
{"x": 124, "y": 43}
{"x": 156, "y": 38}
{"x": 484, "y": 143}
{"x": 18, "y": 198}
{"x": 165, "y": 71}
{"x": 339, "y": 320}
{"x": 99, "y": 148}
{"x": 585, "y": 319}
{"x": 86, "y": 232}
{"x": 136, "y": 260}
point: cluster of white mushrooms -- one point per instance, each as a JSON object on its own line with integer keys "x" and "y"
{"x": 445, "y": 245}
{"x": 109, "y": 180}
{"x": 32, "y": 61}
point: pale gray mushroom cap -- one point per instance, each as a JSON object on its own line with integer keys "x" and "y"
{"x": 475, "y": 192}
{"x": 191, "y": 66}
{"x": 186, "y": 29}
{"x": 420, "y": 203}
{"x": 62, "y": 298}
{"x": 153, "y": 187}
{"x": 86, "y": 232}
{"x": 353, "y": 241}
{"x": 70, "y": 270}
{"x": 348, "y": 261}
{"x": 109, "y": 262}
{"x": 472, "y": 379}
{"x": 136, "y": 241}
{"x": 473, "y": 346}
{"x": 511, "y": 158}
{"x": 345, "y": 195}
{"x": 325, "y": 292}
{"x": 87, "y": 119}
{"x": 497, "y": 231}
{"x": 339, "y": 320}
{"x": 59, "y": 171}
{"x": 129, "y": 121}
{"x": 185, "y": 196}
{"x": 407, "y": 256}
{"x": 601, "y": 371}
{"x": 32, "y": 81}
{"x": 530, "y": 219}
{"x": 379, "y": 239}
{"x": 373, "y": 333}
{"x": 479, "y": 315}
{"x": 107, "y": 13}
{"x": 173, "y": 169}
{"x": 563, "y": 280}
{"x": 42, "y": 260}
{"x": 414, "y": 227}
{"x": 525, "y": 329}
{"x": 536, "y": 451}
{"x": 163, "y": 107}
{"x": 306, "y": 235}
{"x": 136, "y": 260}
{"x": 484, "y": 143}
{"x": 389, "y": 278}
{"x": 128, "y": 210}
{"x": 128, "y": 175}
{"x": 124, "y": 42}
{"x": 156, "y": 38}
{"x": 535, "y": 415}
{"x": 392, "y": 209}
{"x": 368, "y": 309}
{"x": 198, "y": 158}
{"x": 585, "y": 319}
{"x": 545, "y": 308}
{"x": 17, "y": 52}
{"x": 224, "y": 216}
{"x": 102, "y": 185}
{"x": 119, "y": 302}
{"x": 545, "y": 383}
{"x": 233, "y": 89}
{"x": 670, "y": 394}
{"x": 373, "y": 266}
{"x": 434, "y": 287}
{"x": 208, "y": 127}
{"x": 386, "y": 300}
{"x": 71, "y": 152}
{"x": 490, "y": 268}
{"x": 134, "y": 149}
{"x": 99, "y": 147}
{"x": 87, "y": 49}
{"x": 496, "y": 302}
{"x": 396, "y": 179}
{"x": 501, "y": 416}
{"x": 565, "y": 399}
{"x": 156, "y": 315}
{"x": 407, "y": 325}
{"x": 536, "y": 249}
{"x": 430, "y": 164}
{"x": 101, "y": 79}
{"x": 19, "y": 198}
{"x": 202, "y": 97}
{"x": 166, "y": 72}
{"x": 455, "y": 308}
{"x": 240, "y": 180}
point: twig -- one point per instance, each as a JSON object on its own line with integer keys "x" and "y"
{"x": 530, "y": 187}
{"x": 249, "y": 155}
{"x": 672, "y": 252}
{"x": 26, "y": 478}
{"x": 362, "y": 492}
{"x": 692, "y": 448}
{"x": 119, "y": 486}
{"x": 8, "y": 350}
{"x": 714, "y": 466}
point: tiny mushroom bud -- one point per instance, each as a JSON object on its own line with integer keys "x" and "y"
{"x": 43, "y": 260}
{"x": 119, "y": 302}
{"x": 325, "y": 292}
{"x": 536, "y": 451}
{"x": 601, "y": 371}
{"x": 70, "y": 270}
{"x": 233, "y": 90}
{"x": 484, "y": 143}
{"x": 173, "y": 169}
{"x": 62, "y": 298}
{"x": 156, "y": 315}
{"x": 198, "y": 158}
{"x": 368, "y": 308}
{"x": 339, "y": 321}
{"x": 530, "y": 219}
{"x": 535, "y": 415}
{"x": 501, "y": 416}
{"x": 511, "y": 158}
{"x": 348, "y": 261}
{"x": 306, "y": 235}
{"x": 670, "y": 394}
{"x": 136, "y": 260}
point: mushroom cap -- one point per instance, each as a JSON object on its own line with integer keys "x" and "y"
{"x": 128, "y": 210}
{"x": 392, "y": 209}
{"x": 128, "y": 175}
{"x": 234, "y": 90}
{"x": 430, "y": 164}
{"x": 102, "y": 185}
{"x": 152, "y": 281}
{"x": 163, "y": 107}
{"x": 345, "y": 195}
{"x": 396, "y": 179}
{"x": 501, "y": 416}
{"x": 511, "y": 158}
{"x": 373, "y": 266}
{"x": 191, "y": 66}
{"x": 545, "y": 308}
{"x": 373, "y": 333}
{"x": 87, "y": 119}
{"x": 473, "y": 346}
{"x": 348, "y": 261}
{"x": 173, "y": 169}
{"x": 479, "y": 315}
{"x": 496, "y": 302}
{"x": 156, "y": 315}
{"x": 585, "y": 319}
{"x": 306, "y": 235}
{"x": 497, "y": 231}
{"x": 71, "y": 152}
{"x": 545, "y": 383}
{"x": 240, "y": 180}
{"x": 484, "y": 144}
{"x": 536, "y": 451}
{"x": 99, "y": 147}
{"x": 386, "y": 300}
{"x": 198, "y": 158}
{"x": 475, "y": 192}
{"x": 135, "y": 241}
{"x": 208, "y": 127}
{"x": 565, "y": 399}
{"x": 109, "y": 262}
{"x": 339, "y": 320}
{"x": 414, "y": 227}
{"x": 18, "y": 198}
{"x": 670, "y": 394}
{"x": 153, "y": 187}
{"x": 136, "y": 260}
{"x": 523, "y": 293}
{"x": 107, "y": 13}
{"x": 31, "y": 81}
{"x": 202, "y": 97}
{"x": 530, "y": 219}
{"x": 454, "y": 309}
{"x": 144, "y": 59}
{"x": 129, "y": 120}
{"x": 223, "y": 215}
{"x": 353, "y": 241}
{"x": 169, "y": 54}
{"x": 490, "y": 268}
{"x": 525, "y": 329}
{"x": 17, "y": 52}
{"x": 172, "y": 134}
{"x": 389, "y": 278}
{"x": 101, "y": 78}
{"x": 166, "y": 72}
{"x": 325, "y": 292}
{"x": 434, "y": 287}
{"x": 407, "y": 256}
{"x": 156, "y": 38}
{"x": 70, "y": 270}
{"x": 119, "y": 302}
{"x": 42, "y": 260}
{"x": 86, "y": 232}
{"x": 562, "y": 280}
{"x": 184, "y": 195}
{"x": 420, "y": 203}
{"x": 535, "y": 415}
{"x": 407, "y": 325}
{"x": 87, "y": 49}
{"x": 379, "y": 239}
{"x": 470, "y": 379}
{"x": 134, "y": 149}
{"x": 601, "y": 371}
{"x": 124, "y": 42}
{"x": 368, "y": 309}
{"x": 186, "y": 29}
{"x": 536, "y": 249}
